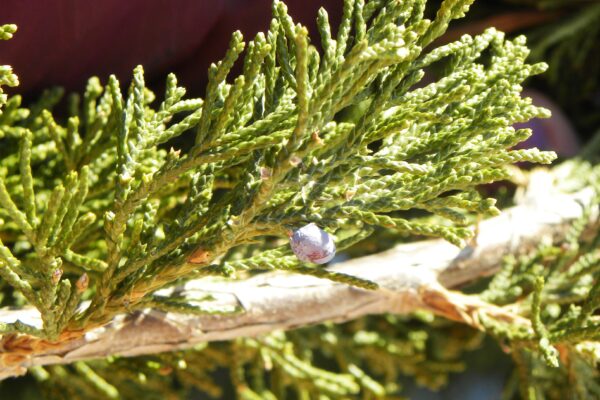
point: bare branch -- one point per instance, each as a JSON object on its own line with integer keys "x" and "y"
{"x": 411, "y": 276}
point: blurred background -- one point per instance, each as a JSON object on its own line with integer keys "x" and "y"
{"x": 64, "y": 42}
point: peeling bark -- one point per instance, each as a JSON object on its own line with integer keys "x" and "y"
{"x": 411, "y": 276}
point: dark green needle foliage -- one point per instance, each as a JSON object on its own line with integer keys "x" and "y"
{"x": 97, "y": 206}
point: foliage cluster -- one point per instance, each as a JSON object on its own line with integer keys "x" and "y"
{"x": 98, "y": 211}
{"x": 99, "y": 208}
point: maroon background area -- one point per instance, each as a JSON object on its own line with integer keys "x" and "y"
{"x": 64, "y": 42}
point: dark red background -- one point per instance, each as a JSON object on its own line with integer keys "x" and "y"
{"x": 64, "y": 42}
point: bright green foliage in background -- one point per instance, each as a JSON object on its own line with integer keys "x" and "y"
{"x": 367, "y": 358}
{"x": 96, "y": 205}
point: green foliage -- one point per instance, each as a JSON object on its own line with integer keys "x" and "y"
{"x": 7, "y": 78}
{"x": 96, "y": 205}
{"x": 555, "y": 286}
{"x": 558, "y": 287}
{"x": 344, "y": 140}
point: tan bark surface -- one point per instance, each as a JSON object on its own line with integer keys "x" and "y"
{"x": 411, "y": 276}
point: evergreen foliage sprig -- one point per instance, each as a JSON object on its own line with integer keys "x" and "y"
{"x": 558, "y": 287}
{"x": 554, "y": 285}
{"x": 94, "y": 205}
